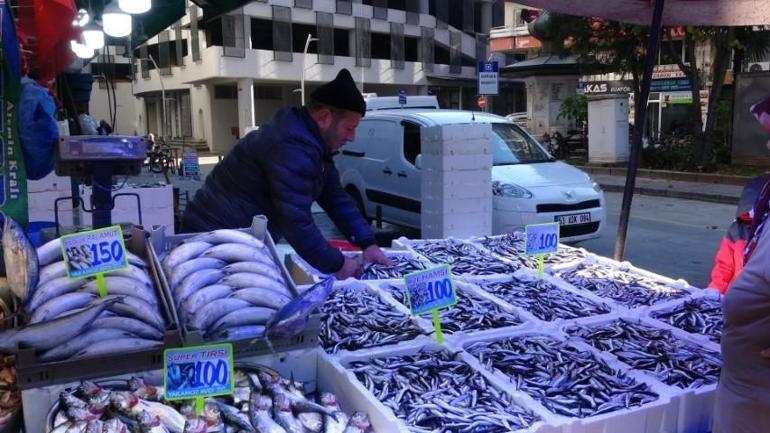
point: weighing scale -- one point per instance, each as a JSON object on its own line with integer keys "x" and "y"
{"x": 94, "y": 160}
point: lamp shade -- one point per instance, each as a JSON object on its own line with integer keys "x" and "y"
{"x": 81, "y": 50}
{"x": 93, "y": 37}
{"x": 135, "y": 6}
{"x": 116, "y": 24}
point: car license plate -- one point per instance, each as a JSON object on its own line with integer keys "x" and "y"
{"x": 577, "y": 218}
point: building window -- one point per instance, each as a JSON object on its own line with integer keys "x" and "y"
{"x": 482, "y": 43}
{"x": 185, "y": 109}
{"x": 144, "y": 61}
{"x": 268, "y": 92}
{"x": 179, "y": 43}
{"x": 441, "y": 13}
{"x": 455, "y": 52}
{"x": 164, "y": 53}
{"x": 233, "y": 40}
{"x": 380, "y": 9}
{"x": 412, "y": 145}
{"x": 427, "y": 45}
{"x": 325, "y": 35}
{"x": 304, "y": 4}
{"x": 282, "y": 40}
{"x": 363, "y": 42}
{"x": 194, "y": 36}
{"x": 397, "y": 48}
{"x": 345, "y": 7}
{"x": 468, "y": 16}
{"x": 223, "y": 91}
{"x": 413, "y": 12}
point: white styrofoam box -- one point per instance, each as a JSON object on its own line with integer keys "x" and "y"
{"x": 316, "y": 275}
{"x": 422, "y": 346}
{"x": 694, "y": 406}
{"x": 435, "y": 189}
{"x": 458, "y": 162}
{"x": 157, "y": 203}
{"x": 459, "y": 147}
{"x": 658, "y": 416}
{"x": 455, "y": 134}
{"x": 447, "y": 205}
{"x": 437, "y": 228}
{"x": 456, "y": 177}
{"x": 52, "y": 182}
{"x": 310, "y": 366}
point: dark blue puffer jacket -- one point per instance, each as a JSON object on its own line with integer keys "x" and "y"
{"x": 278, "y": 171}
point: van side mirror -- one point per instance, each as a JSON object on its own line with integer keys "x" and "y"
{"x": 418, "y": 162}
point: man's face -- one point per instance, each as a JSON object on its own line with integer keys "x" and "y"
{"x": 339, "y": 128}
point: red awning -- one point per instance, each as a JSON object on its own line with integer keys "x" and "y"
{"x": 675, "y": 12}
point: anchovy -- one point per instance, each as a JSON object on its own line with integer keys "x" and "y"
{"x": 698, "y": 316}
{"x": 471, "y": 313}
{"x": 402, "y": 264}
{"x": 566, "y": 380}
{"x": 626, "y": 288}
{"x": 463, "y": 257}
{"x": 21, "y": 262}
{"x": 433, "y": 391}
{"x": 657, "y": 351}
{"x": 544, "y": 300}
{"x": 353, "y": 318}
{"x": 512, "y": 246}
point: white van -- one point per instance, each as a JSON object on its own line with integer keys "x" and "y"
{"x": 381, "y": 168}
{"x": 374, "y": 102}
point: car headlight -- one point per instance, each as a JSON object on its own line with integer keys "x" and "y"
{"x": 597, "y": 187}
{"x": 509, "y": 190}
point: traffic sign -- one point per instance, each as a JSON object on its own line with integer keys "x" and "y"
{"x": 488, "y": 78}
{"x": 402, "y": 97}
{"x": 481, "y": 101}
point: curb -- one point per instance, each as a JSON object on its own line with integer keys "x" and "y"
{"x": 671, "y": 175}
{"x": 712, "y": 198}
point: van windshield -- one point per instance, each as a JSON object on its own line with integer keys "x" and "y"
{"x": 512, "y": 146}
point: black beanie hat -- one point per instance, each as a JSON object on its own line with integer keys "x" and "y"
{"x": 341, "y": 93}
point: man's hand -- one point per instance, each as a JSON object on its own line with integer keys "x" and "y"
{"x": 765, "y": 353}
{"x": 373, "y": 254}
{"x": 350, "y": 268}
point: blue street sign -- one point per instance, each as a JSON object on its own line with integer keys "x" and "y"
{"x": 488, "y": 78}
{"x": 402, "y": 97}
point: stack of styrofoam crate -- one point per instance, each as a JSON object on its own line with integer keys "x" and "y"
{"x": 456, "y": 181}
{"x": 42, "y": 195}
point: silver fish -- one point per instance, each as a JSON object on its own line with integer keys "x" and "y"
{"x": 210, "y": 313}
{"x": 118, "y": 345}
{"x": 262, "y": 297}
{"x": 698, "y": 316}
{"x": 50, "y": 252}
{"x": 238, "y": 333}
{"x": 243, "y": 317}
{"x": 464, "y": 257}
{"x": 195, "y": 281}
{"x": 232, "y": 252}
{"x": 336, "y": 423}
{"x": 81, "y": 342}
{"x": 129, "y": 306}
{"x": 224, "y": 236}
{"x": 129, "y": 325}
{"x": 292, "y": 318}
{"x": 282, "y": 413}
{"x": 21, "y": 263}
{"x": 359, "y": 423}
{"x": 203, "y": 296}
{"x": 134, "y": 272}
{"x": 244, "y": 280}
{"x": 233, "y": 415}
{"x": 311, "y": 421}
{"x": 117, "y": 285}
{"x": 255, "y": 268}
{"x": 54, "y": 270}
{"x": 57, "y": 306}
{"x": 259, "y": 414}
{"x": 50, "y": 334}
{"x": 181, "y": 271}
{"x": 183, "y": 253}
{"x": 53, "y": 289}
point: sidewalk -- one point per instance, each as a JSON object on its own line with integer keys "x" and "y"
{"x": 701, "y": 191}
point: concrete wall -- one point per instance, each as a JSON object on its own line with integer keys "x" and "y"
{"x": 225, "y": 117}
{"x": 125, "y": 123}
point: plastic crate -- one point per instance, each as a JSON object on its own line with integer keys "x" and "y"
{"x": 302, "y": 272}
{"x": 31, "y": 373}
{"x": 161, "y": 244}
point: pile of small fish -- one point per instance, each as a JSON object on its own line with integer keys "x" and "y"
{"x": 511, "y": 246}
{"x": 402, "y": 265}
{"x": 470, "y": 313}
{"x": 354, "y": 318}
{"x": 66, "y": 319}
{"x": 544, "y": 300}
{"x": 225, "y": 284}
{"x": 565, "y": 255}
{"x": 463, "y": 257}
{"x": 10, "y": 396}
{"x": 699, "y": 316}
{"x": 631, "y": 290}
{"x": 671, "y": 360}
{"x": 434, "y": 392}
{"x": 565, "y": 380}
{"x": 263, "y": 402}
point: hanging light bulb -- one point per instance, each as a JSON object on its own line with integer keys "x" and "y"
{"x": 135, "y": 6}
{"x": 93, "y": 36}
{"x": 81, "y": 19}
{"x": 81, "y": 50}
{"x": 116, "y": 23}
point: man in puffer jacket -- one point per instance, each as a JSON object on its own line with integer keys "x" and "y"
{"x": 280, "y": 169}
{"x": 728, "y": 262}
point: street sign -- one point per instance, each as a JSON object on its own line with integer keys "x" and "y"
{"x": 402, "y": 97}
{"x": 430, "y": 290}
{"x": 488, "y": 78}
{"x": 541, "y": 239}
{"x": 198, "y": 372}
{"x": 481, "y": 101}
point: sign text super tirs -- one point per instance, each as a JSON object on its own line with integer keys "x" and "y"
{"x": 198, "y": 371}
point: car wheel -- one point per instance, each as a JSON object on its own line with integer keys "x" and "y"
{"x": 356, "y": 196}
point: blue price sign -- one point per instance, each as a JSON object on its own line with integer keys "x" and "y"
{"x": 542, "y": 238}
{"x": 94, "y": 252}
{"x": 198, "y": 372}
{"x": 430, "y": 289}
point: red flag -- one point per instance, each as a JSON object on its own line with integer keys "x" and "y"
{"x": 48, "y": 26}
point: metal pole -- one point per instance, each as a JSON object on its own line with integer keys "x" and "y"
{"x": 636, "y": 138}
{"x": 163, "y": 97}
{"x": 310, "y": 39}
